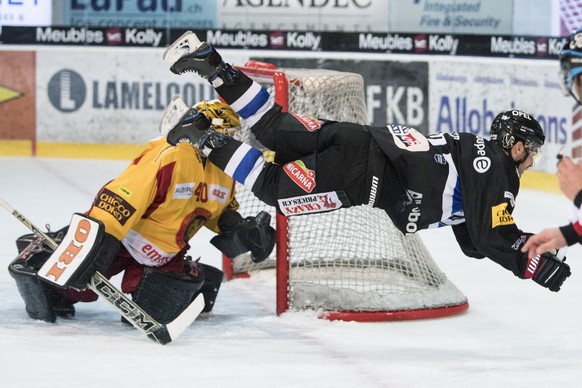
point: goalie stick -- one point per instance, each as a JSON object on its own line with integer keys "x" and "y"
{"x": 158, "y": 332}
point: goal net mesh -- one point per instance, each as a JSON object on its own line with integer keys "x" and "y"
{"x": 351, "y": 259}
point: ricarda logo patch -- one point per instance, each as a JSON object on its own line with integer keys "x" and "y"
{"x": 301, "y": 175}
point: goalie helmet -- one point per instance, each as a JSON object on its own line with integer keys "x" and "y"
{"x": 571, "y": 62}
{"x": 514, "y": 125}
{"x": 224, "y": 119}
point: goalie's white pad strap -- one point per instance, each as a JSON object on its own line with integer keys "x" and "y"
{"x": 74, "y": 249}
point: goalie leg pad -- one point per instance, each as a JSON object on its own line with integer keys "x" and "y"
{"x": 41, "y": 302}
{"x": 164, "y": 295}
{"x": 213, "y": 279}
{"x": 33, "y": 291}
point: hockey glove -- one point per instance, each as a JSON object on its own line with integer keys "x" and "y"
{"x": 252, "y": 234}
{"x": 546, "y": 270}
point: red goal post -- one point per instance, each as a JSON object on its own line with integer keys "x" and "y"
{"x": 350, "y": 264}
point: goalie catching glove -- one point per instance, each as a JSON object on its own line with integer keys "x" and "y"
{"x": 240, "y": 235}
{"x": 546, "y": 269}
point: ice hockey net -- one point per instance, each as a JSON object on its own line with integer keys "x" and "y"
{"x": 349, "y": 264}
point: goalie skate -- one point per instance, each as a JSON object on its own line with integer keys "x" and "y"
{"x": 172, "y": 115}
{"x": 185, "y": 44}
{"x": 189, "y": 54}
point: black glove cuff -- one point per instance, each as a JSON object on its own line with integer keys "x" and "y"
{"x": 578, "y": 199}
{"x": 570, "y": 234}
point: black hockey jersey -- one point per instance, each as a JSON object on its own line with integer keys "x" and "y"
{"x": 456, "y": 179}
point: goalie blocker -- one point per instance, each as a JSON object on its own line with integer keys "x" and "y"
{"x": 84, "y": 250}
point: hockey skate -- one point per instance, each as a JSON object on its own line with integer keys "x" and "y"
{"x": 189, "y": 54}
{"x": 180, "y": 123}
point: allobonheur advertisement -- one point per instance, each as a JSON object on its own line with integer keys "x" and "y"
{"x": 466, "y": 94}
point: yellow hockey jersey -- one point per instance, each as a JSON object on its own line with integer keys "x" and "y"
{"x": 162, "y": 199}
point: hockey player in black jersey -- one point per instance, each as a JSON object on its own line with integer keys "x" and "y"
{"x": 455, "y": 179}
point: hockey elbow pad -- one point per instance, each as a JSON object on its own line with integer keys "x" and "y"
{"x": 546, "y": 270}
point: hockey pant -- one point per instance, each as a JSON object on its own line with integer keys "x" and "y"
{"x": 315, "y": 170}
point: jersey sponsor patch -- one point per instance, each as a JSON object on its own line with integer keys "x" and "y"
{"x": 144, "y": 251}
{"x": 305, "y": 204}
{"x": 481, "y": 163}
{"x": 301, "y": 175}
{"x": 183, "y": 190}
{"x": 518, "y": 243}
{"x": 115, "y": 205}
{"x": 218, "y": 193}
{"x": 408, "y": 138}
{"x": 127, "y": 192}
{"x": 500, "y": 216}
{"x": 310, "y": 123}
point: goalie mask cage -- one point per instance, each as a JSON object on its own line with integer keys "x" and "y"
{"x": 349, "y": 264}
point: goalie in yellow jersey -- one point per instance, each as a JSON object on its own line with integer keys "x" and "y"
{"x": 149, "y": 214}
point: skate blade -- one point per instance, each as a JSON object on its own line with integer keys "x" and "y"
{"x": 172, "y": 115}
{"x": 185, "y": 44}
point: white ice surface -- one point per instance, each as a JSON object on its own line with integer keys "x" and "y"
{"x": 515, "y": 334}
